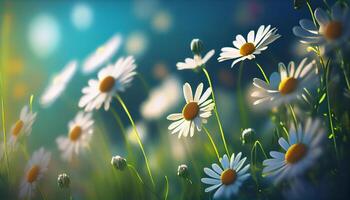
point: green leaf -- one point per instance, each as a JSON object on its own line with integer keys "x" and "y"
{"x": 323, "y": 97}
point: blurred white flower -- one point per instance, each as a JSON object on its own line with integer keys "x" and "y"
{"x": 34, "y": 171}
{"x": 162, "y": 21}
{"x": 23, "y": 126}
{"x": 161, "y": 99}
{"x": 102, "y": 55}
{"x": 142, "y": 129}
{"x": 58, "y": 84}
{"x": 333, "y": 30}
{"x": 136, "y": 43}
{"x": 79, "y": 136}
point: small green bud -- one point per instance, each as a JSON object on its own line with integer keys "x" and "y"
{"x": 196, "y": 46}
{"x": 248, "y": 135}
{"x": 63, "y": 180}
{"x": 182, "y": 171}
{"x": 119, "y": 162}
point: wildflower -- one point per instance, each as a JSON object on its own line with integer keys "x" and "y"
{"x": 34, "y": 171}
{"x": 111, "y": 79}
{"x": 286, "y": 86}
{"x": 247, "y": 49}
{"x": 119, "y": 163}
{"x": 228, "y": 179}
{"x": 161, "y": 99}
{"x": 23, "y": 126}
{"x": 63, "y": 180}
{"x": 197, "y": 60}
{"x": 302, "y": 151}
{"x": 182, "y": 171}
{"x": 79, "y": 136}
{"x": 194, "y": 113}
{"x": 103, "y": 54}
{"x": 58, "y": 84}
{"x": 333, "y": 30}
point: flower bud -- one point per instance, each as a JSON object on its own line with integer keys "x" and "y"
{"x": 298, "y": 4}
{"x": 182, "y": 171}
{"x": 248, "y": 135}
{"x": 119, "y": 162}
{"x": 196, "y": 46}
{"x": 63, "y": 180}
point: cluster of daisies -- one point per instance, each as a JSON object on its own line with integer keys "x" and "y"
{"x": 303, "y": 143}
{"x": 299, "y": 151}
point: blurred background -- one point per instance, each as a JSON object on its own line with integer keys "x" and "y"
{"x": 38, "y": 39}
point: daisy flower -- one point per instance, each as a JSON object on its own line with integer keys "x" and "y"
{"x": 194, "y": 113}
{"x": 301, "y": 152}
{"x": 102, "y": 55}
{"x": 34, "y": 171}
{"x": 79, "y": 136}
{"x": 58, "y": 84}
{"x": 111, "y": 79}
{"x": 226, "y": 180}
{"x": 333, "y": 30}
{"x": 197, "y": 60}
{"x": 247, "y": 49}
{"x": 286, "y": 86}
{"x": 23, "y": 126}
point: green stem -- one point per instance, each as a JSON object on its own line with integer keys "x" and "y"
{"x": 122, "y": 129}
{"x": 216, "y": 111}
{"x": 136, "y": 173}
{"x": 329, "y": 110}
{"x": 31, "y": 99}
{"x": 212, "y": 142}
{"x": 4, "y": 128}
{"x": 41, "y": 193}
{"x": 167, "y": 188}
{"x": 137, "y": 137}
{"x": 143, "y": 82}
{"x": 262, "y": 72}
{"x": 242, "y": 107}
{"x": 311, "y": 12}
{"x": 295, "y": 121}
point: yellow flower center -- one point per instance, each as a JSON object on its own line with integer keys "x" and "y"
{"x": 18, "y": 127}
{"x": 107, "y": 84}
{"x": 287, "y": 85}
{"x": 247, "y": 49}
{"x": 190, "y": 111}
{"x": 333, "y": 30}
{"x": 33, "y": 173}
{"x": 228, "y": 176}
{"x": 75, "y": 133}
{"x": 295, "y": 153}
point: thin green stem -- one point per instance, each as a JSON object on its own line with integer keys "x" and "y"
{"x": 135, "y": 172}
{"x": 41, "y": 193}
{"x": 216, "y": 110}
{"x": 242, "y": 107}
{"x": 122, "y": 129}
{"x": 166, "y": 188}
{"x": 4, "y": 130}
{"x": 262, "y": 72}
{"x": 212, "y": 142}
{"x": 143, "y": 82}
{"x": 295, "y": 121}
{"x": 329, "y": 110}
{"x": 311, "y": 12}
{"x": 137, "y": 136}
